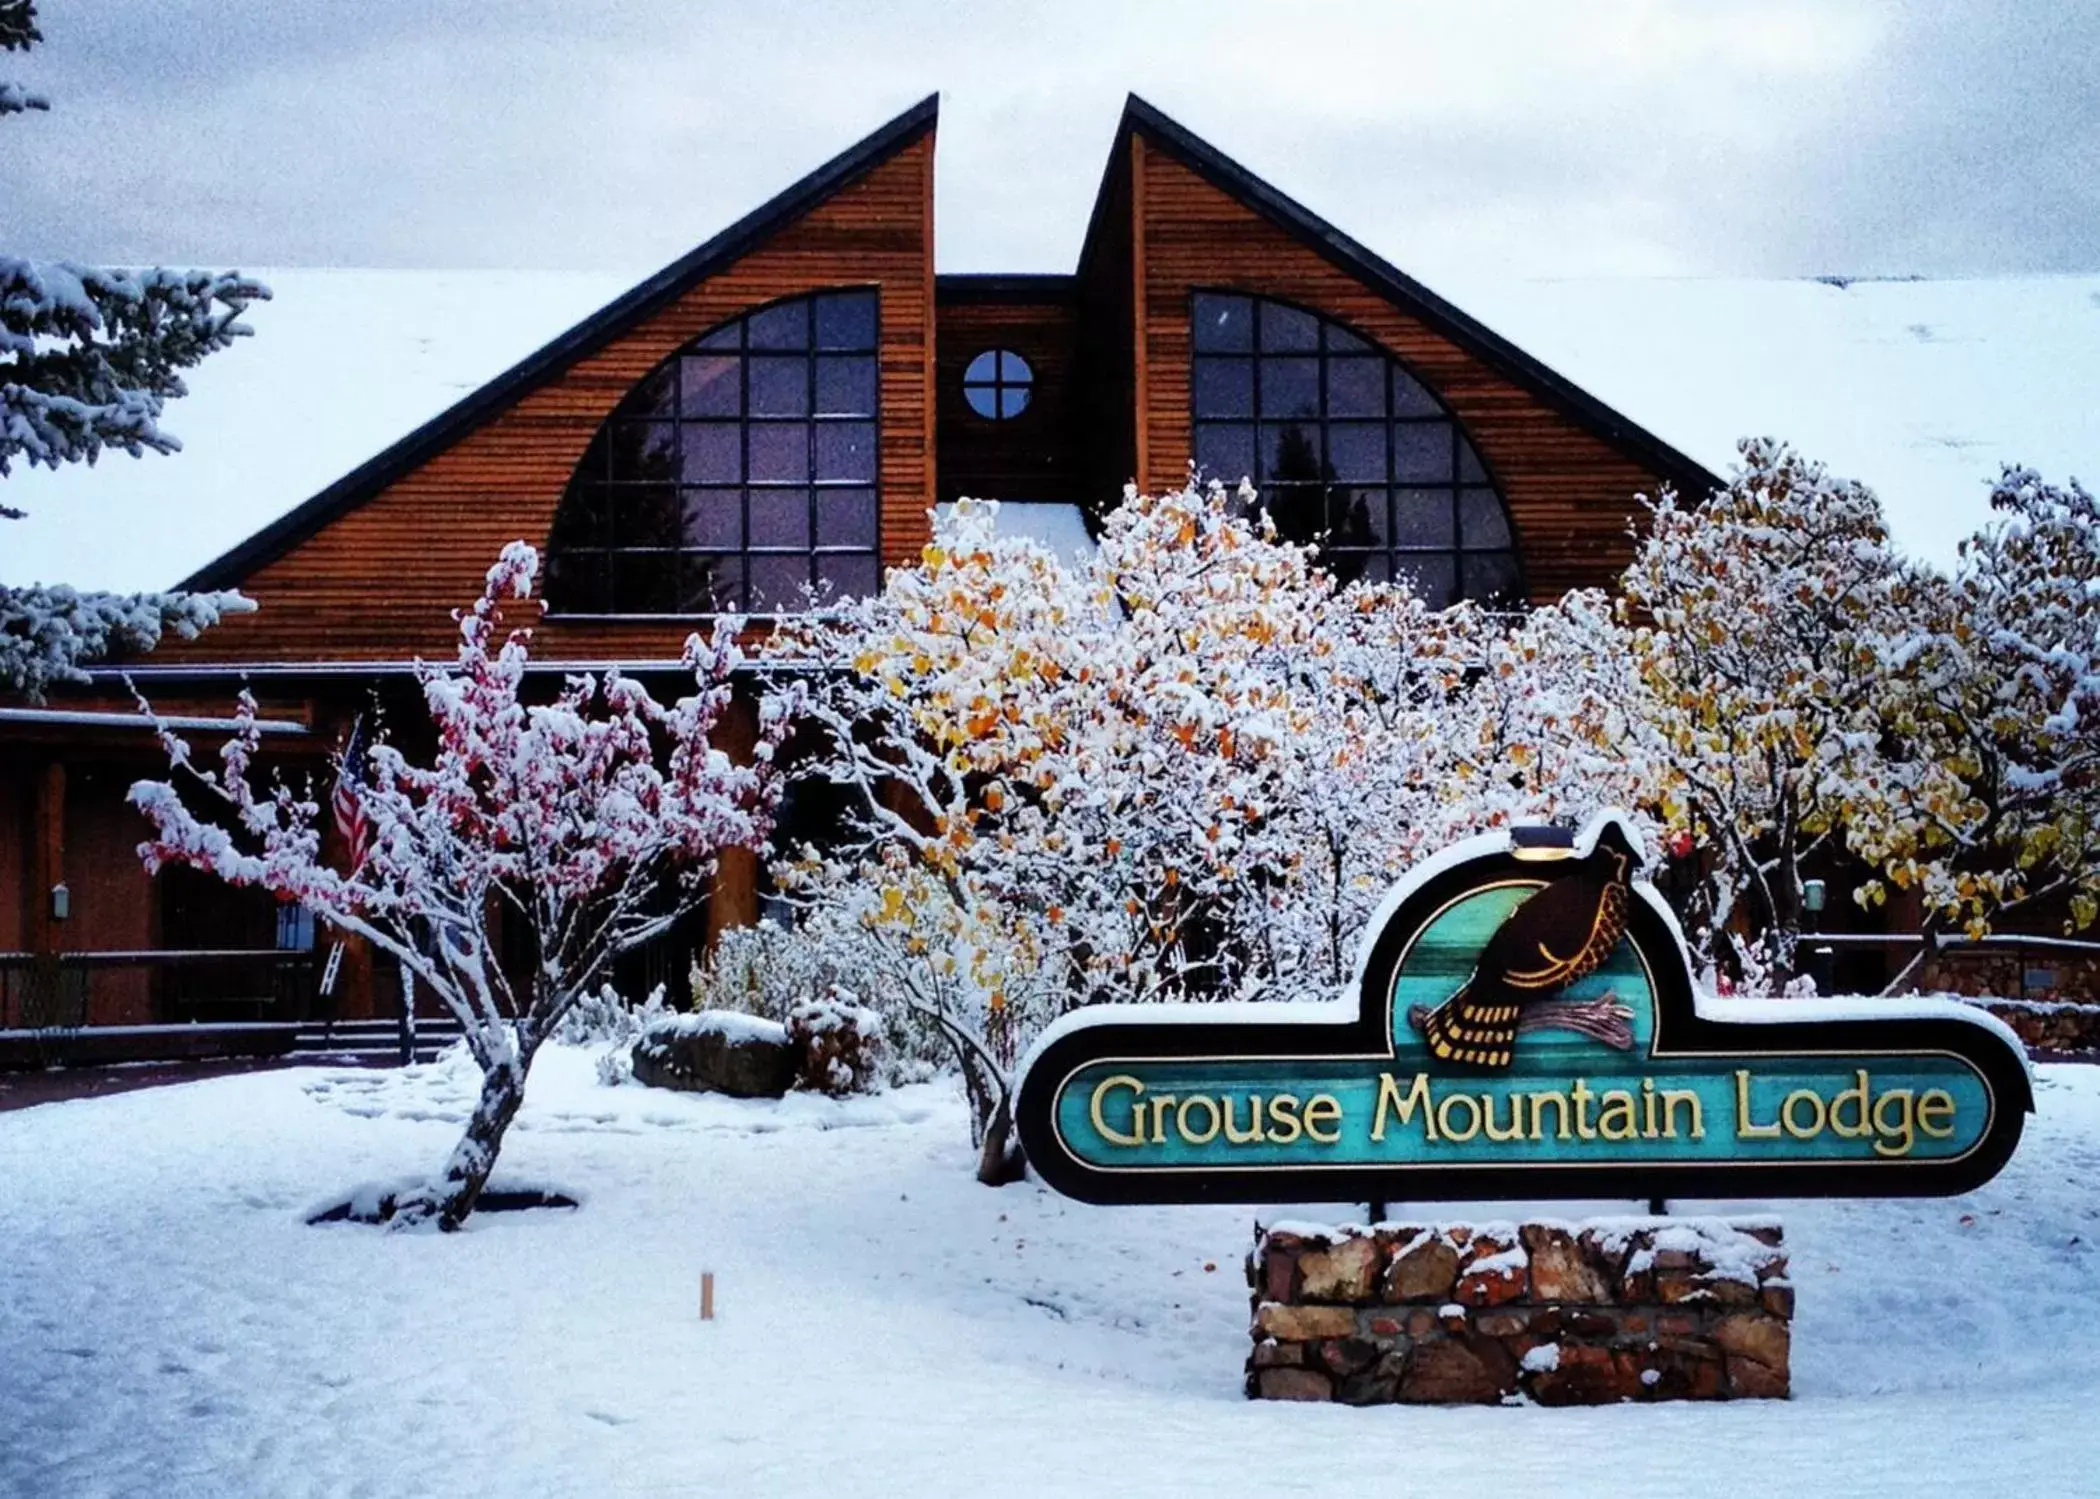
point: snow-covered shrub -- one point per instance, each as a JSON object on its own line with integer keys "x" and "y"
{"x": 605, "y": 1018}
{"x": 840, "y": 1046}
{"x": 558, "y": 815}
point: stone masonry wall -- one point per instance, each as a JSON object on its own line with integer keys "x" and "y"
{"x": 1564, "y": 1314}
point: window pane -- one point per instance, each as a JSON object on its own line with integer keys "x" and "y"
{"x": 1290, "y": 387}
{"x": 714, "y": 519}
{"x": 714, "y": 453}
{"x": 577, "y": 583}
{"x": 1482, "y": 520}
{"x": 1470, "y": 468}
{"x": 596, "y": 462}
{"x": 711, "y": 385}
{"x": 1356, "y": 451}
{"x": 777, "y": 582}
{"x": 644, "y": 450}
{"x": 710, "y": 585}
{"x": 983, "y": 369}
{"x": 780, "y": 518}
{"x": 1423, "y": 518}
{"x": 1433, "y": 577}
{"x": 1491, "y": 578}
{"x": 983, "y": 399}
{"x": 645, "y": 516}
{"x": 1422, "y": 453}
{"x": 846, "y": 320}
{"x": 784, "y": 326}
{"x": 846, "y": 518}
{"x": 654, "y": 396}
{"x": 1013, "y": 369}
{"x": 1224, "y": 325}
{"x": 1291, "y": 452}
{"x": 846, "y": 450}
{"x": 1356, "y": 518}
{"x": 1223, "y": 386}
{"x": 846, "y": 385}
{"x": 1287, "y": 330}
{"x": 1013, "y": 400}
{"x": 850, "y": 575}
{"x": 1225, "y": 452}
{"x": 1299, "y": 511}
{"x": 584, "y": 519}
{"x": 645, "y": 582}
{"x": 1410, "y": 398}
{"x": 728, "y": 336}
{"x": 780, "y": 452}
{"x": 1341, "y": 341}
{"x": 780, "y": 386}
{"x": 1356, "y": 387}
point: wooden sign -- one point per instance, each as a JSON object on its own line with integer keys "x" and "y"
{"x": 1524, "y": 1024}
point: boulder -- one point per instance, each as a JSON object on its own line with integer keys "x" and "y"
{"x": 717, "y": 1051}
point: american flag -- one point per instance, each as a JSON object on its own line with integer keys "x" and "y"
{"x": 347, "y": 805}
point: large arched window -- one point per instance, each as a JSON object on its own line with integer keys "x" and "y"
{"x": 1349, "y": 450}
{"x": 738, "y": 473}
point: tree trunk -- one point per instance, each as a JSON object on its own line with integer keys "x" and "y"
{"x": 452, "y": 1197}
{"x": 999, "y": 1160}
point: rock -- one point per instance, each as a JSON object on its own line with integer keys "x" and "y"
{"x": 1303, "y": 1324}
{"x": 1279, "y": 1273}
{"x": 1347, "y": 1355}
{"x": 1727, "y": 1291}
{"x": 716, "y": 1051}
{"x": 1560, "y": 1270}
{"x": 1752, "y": 1335}
{"x": 1584, "y": 1375}
{"x": 1680, "y": 1371}
{"x": 1347, "y": 1271}
{"x": 1492, "y": 1272}
{"x": 1270, "y": 1354}
{"x": 1424, "y": 1270}
{"x": 1505, "y": 1324}
{"x": 1778, "y": 1300}
{"x": 1293, "y": 1384}
{"x": 1750, "y": 1380}
{"x": 1371, "y": 1387}
{"x": 1451, "y": 1371}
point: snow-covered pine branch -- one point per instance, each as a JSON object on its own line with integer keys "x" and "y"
{"x": 46, "y": 633}
{"x": 18, "y": 33}
{"x": 588, "y": 824}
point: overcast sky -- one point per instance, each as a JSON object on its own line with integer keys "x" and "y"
{"x": 1555, "y": 138}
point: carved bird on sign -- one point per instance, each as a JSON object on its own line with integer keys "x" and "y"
{"x": 1557, "y": 936}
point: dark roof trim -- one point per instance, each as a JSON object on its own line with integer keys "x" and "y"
{"x": 1461, "y": 327}
{"x": 992, "y": 286}
{"x": 595, "y": 331}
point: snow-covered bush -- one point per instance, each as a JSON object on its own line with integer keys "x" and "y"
{"x": 839, "y": 1046}
{"x": 1184, "y": 768}
{"x": 88, "y": 358}
{"x": 563, "y": 818}
{"x": 604, "y": 1018}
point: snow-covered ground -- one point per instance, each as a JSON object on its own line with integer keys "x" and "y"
{"x": 170, "y": 1327}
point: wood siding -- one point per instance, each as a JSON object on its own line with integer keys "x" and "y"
{"x": 380, "y": 581}
{"x": 1028, "y": 457}
{"x": 1570, "y": 493}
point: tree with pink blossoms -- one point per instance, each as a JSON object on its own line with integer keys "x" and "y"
{"x": 588, "y": 823}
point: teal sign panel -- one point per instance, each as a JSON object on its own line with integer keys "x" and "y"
{"x": 1523, "y": 1026}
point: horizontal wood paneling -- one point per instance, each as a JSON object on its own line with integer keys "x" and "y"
{"x": 1027, "y": 457}
{"x": 1570, "y": 493}
{"x": 380, "y": 582}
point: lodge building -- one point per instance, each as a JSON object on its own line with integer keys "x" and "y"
{"x": 779, "y": 408}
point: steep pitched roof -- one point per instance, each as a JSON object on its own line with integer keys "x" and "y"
{"x": 1141, "y": 118}
{"x": 594, "y": 332}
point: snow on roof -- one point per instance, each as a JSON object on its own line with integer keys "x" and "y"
{"x": 1920, "y": 388}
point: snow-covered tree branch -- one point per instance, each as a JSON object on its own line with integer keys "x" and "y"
{"x": 589, "y": 824}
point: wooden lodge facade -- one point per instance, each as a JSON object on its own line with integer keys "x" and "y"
{"x": 782, "y": 407}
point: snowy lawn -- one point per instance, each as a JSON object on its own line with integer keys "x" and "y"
{"x": 170, "y": 1327}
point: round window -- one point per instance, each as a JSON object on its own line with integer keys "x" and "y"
{"x": 997, "y": 384}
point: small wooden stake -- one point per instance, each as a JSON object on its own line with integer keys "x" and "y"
{"x": 707, "y": 1295}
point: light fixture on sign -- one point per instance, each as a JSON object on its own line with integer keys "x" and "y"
{"x": 1542, "y": 841}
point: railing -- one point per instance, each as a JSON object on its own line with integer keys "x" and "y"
{"x": 57, "y": 991}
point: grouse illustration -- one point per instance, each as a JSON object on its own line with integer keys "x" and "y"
{"x": 1559, "y": 935}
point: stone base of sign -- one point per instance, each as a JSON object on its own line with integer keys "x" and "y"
{"x": 1560, "y": 1313}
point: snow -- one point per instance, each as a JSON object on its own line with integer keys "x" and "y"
{"x": 1919, "y": 388}
{"x": 730, "y": 1025}
{"x": 884, "y": 1324}
{"x": 1060, "y": 529}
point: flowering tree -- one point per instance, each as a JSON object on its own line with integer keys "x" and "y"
{"x": 557, "y": 817}
{"x": 1770, "y": 623}
{"x": 2004, "y": 693}
{"x": 88, "y": 357}
{"x": 1185, "y": 768}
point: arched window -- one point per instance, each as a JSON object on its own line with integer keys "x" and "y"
{"x": 739, "y": 472}
{"x": 1349, "y": 450}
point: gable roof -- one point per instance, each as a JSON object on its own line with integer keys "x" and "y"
{"x": 1469, "y": 333}
{"x": 593, "y": 333}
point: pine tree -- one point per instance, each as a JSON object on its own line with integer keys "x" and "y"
{"x": 88, "y": 358}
